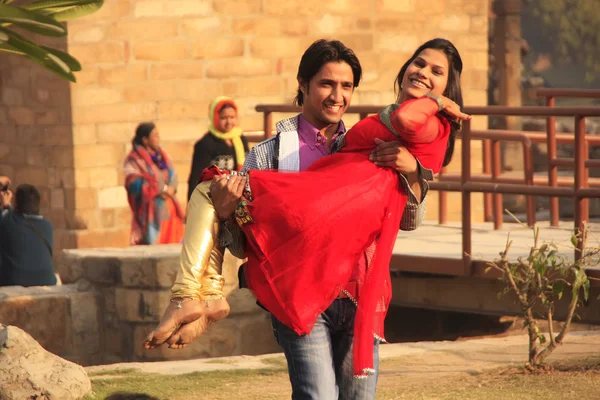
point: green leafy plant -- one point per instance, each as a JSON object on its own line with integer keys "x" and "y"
{"x": 539, "y": 282}
{"x": 43, "y": 17}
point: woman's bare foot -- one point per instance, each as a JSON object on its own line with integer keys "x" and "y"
{"x": 172, "y": 319}
{"x": 187, "y": 333}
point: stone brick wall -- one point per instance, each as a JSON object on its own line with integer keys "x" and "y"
{"x": 165, "y": 60}
{"x": 114, "y": 297}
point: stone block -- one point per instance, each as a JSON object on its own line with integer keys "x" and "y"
{"x": 98, "y": 155}
{"x": 256, "y": 26}
{"x": 98, "y": 53}
{"x": 12, "y": 96}
{"x": 116, "y": 237}
{"x": 219, "y": 48}
{"x": 80, "y": 199}
{"x": 177, "y": 129}
{"x": 262, "y": 86}
{"x": 181, "y": 109}
{"x": 103, "y": 177}
{"x": 242, "y": 302}
{"x": 37, "y": 156}
{"x": 113, "y": 197}
{"x": 86, "y": 326}
{"x": 191, "y": 8}
{"x": 199, "y": 89}
{"x": 395, "y": 6}
{"x": 57, "y": 198}
{"x": 103, "y": 270}
{"x": 193, "y": 27}
{"x": 240, "y": 67}
{"x": 348, "y": 7}
{"x": 238, "y": 7}
{"x": 111, "y": 10}
{"x": 149, "y": 273}
{"x": 180, "y": 151}
{"x": 470, "y": 7}
{"x": 280, "y": 46}
{"x": 293, "y": 8}
{"x": 136, "y": 305}
{"x": 107, "y": 218}
{"x": 161, "y": 51}
{"x": 47, "y": 117}
{"x": 54, "y": 333}
{"x": 84, "y": 134}
{"x": 21, "y": 115}
{"x": 91, "y": 96}
{"x": 159, "y": 91}
{"x": 144, "y": 29}
{"x": 176, "y": 71}
{"x": 87, "y": 33}
{"x": 36, "y": 176}
{"x": 455, "y": 23}
{"x": 115, "y": 132}
{"x": 398, "y": 43}
{"x": 256, "y": 335}
{"x": 133, "y": 111}
{"x": 358, "y": 42}
{"x": 295, "y": 27}
{"x": 123, "y": 74}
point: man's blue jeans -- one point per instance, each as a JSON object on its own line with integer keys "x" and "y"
{"x": 320, "y": 363}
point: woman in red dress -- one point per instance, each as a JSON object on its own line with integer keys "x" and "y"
{"x": 304, "y": 241}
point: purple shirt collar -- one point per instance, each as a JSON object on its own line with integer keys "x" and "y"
{"x": 311, "y": 135}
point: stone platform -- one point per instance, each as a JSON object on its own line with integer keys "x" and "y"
{"x": 113, "y": 297}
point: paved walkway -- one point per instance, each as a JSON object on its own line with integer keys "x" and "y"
{"x": 469, "y": 356}
{"x": 434, "y": 240}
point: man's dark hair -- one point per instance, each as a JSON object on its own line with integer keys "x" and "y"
{"x": 27, "y": 199}
{"x": 320, "y": 53}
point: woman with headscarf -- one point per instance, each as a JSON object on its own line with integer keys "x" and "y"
{"x": 151, "y": 184}
{"x": 223, "y": 145}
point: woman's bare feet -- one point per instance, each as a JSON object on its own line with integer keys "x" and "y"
{"x": 173, "y": 318}
{"x": 187, "y": 333}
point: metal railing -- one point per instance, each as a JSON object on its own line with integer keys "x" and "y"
{"x": 495, "y": 184}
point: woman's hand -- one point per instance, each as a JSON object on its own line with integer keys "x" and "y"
{"x": 453, "y": 110}
{"x": 169, "y": 191}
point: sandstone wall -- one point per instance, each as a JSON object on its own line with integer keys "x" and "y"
{"x": 165, "y": 60}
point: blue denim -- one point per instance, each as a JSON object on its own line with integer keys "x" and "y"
{"x": 320, "y": 363}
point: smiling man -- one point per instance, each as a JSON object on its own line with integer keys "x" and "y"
{"x": 320, "y": 363}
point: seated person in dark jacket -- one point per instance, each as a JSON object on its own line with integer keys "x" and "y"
{"x": 25, "y": 240}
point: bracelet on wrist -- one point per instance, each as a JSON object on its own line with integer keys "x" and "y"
{"x": 437, "y": 99}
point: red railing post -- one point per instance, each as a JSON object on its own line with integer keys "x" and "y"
{"x": 552, "y": 168}
{"x": 581, "y": 203}
{"x": 466, "y": 197}
{"x": 528, "y": 171}
{"x": 268, "y": 123}
{"x": 487, "y": 169}
{"x": 497, "y": 197}
{"x": 442, "y": 203}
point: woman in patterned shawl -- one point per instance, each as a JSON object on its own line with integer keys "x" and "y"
{"x": 151, "y": 184}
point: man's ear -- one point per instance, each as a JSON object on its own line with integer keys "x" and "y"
{"x": 303, "y": 86}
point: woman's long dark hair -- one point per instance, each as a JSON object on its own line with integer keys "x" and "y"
{"x": 453, "y": 90}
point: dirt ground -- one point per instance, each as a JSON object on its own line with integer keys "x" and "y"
{"x": 467, "y": 369}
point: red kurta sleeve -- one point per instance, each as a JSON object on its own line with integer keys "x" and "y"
{"x": 416, "y": 121}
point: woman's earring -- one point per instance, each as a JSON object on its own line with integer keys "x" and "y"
{"x": 401, "y": 87}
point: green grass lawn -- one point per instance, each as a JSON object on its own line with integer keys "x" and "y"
{"x": 573, "y": 379}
